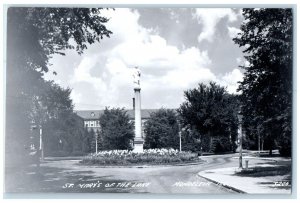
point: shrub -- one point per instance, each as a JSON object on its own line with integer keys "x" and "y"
{"x": 59, "y": 153}
{"x": 285, "y": 150}
{"x": 220, "y": 145}
{"x": 78, "y": 153}
{"x": 149, "y": 156}
{"x": 285, "y": 146}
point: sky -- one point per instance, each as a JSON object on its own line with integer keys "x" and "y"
{"x": 175, "y": 49}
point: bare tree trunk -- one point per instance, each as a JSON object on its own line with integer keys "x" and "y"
{"x": 259, "y": 143}
{"x": 271, "y": 149}
{"x": 201, "y": 145}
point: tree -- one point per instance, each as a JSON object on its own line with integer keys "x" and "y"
{"x": 267, "y": 36}
{"x": 211, "y": 111}
{"x": 64, "y": 135}
{"x": 116, "y": 129}
{"x": 161, "y": 130}
{"x": 92, "y": 135}
{"x": 87, "y": 141}
{"x": 190, "y": 140}
{"x": 52, "y": 111}
{"x": 33, "y": 36}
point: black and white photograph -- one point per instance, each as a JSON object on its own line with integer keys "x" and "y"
{"x": 149, "y": 100}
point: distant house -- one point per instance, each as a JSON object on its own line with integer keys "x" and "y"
{"x": 91, "y": 117}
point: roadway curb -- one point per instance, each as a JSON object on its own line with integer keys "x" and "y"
{"x": 223, "y": 185}
{"x": 144, "y": 166}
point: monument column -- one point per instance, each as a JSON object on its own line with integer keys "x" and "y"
{"x": 138, "y": 140}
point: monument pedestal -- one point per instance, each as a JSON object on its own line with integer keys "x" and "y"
{"x": 138, "y": 145}
{"x": 138, "y": 140}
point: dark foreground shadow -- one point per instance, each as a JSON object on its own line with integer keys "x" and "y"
{"x": 279, "y": 174}
{"x": 275, "y": 169}
{"x": 59, "y": 180}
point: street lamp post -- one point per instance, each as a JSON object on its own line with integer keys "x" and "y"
{"x": 60, "y": 144}
{"x": 240, "y": 135}
{"x": 179, "y": 133}
{"x": 96, "y": 137}
{"x": 41, "y": 144}
{"x": 180, "y": 140}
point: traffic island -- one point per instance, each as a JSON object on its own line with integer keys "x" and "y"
{"x": 147, "y": 157}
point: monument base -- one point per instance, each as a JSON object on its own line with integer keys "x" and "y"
{"x": 138, "y": 145}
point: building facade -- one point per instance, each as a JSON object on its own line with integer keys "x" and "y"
{"x": 91, "y": 118}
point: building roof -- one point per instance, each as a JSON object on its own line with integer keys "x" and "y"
{"x": 95, "y": 114}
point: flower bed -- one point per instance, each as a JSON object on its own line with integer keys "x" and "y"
{"x": 150, "y": 156}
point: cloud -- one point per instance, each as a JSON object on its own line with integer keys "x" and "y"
{"x": 77, "y": 97}
{"x": 242, "y": 62}
{"x": 209, "y": 17}
{"x": 230, "y": 80}
{"x": 163, "y": 66}
{"x": 124, "y": 24}
{"x": 190, "y": 67}
{"x": 82, "y": 73}
{"x": 233, "y": 31}
{"x": 238, "y": 60}
{"x": 106, "y": 72}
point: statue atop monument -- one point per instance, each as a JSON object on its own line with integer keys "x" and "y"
{"x": 136, "y": 77}
{"x": 138, "y": 139}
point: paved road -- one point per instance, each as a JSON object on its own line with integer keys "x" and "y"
{"x": 61, "y": 175}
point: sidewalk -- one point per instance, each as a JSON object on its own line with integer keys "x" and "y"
{"x": 244, "y": 183}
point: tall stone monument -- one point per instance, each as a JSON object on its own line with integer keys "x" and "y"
{"x": 138, "y": 140}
